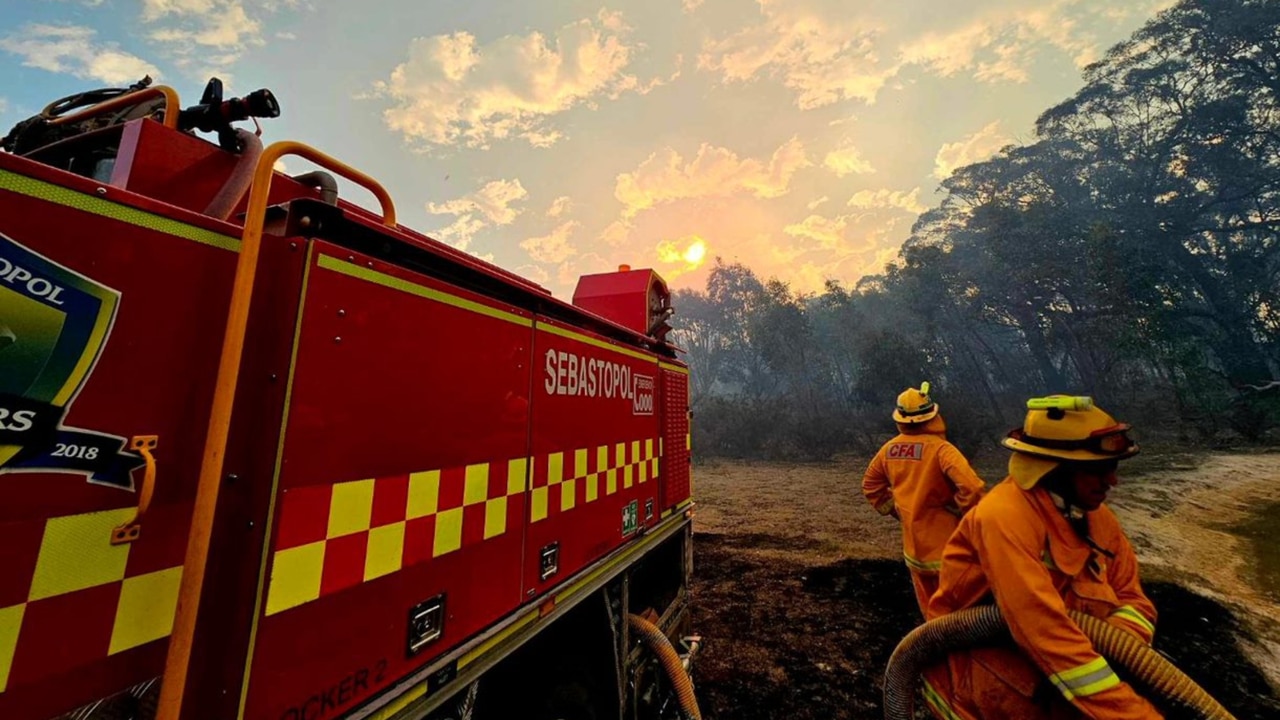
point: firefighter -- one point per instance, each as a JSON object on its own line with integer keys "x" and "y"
{"x": 1041, "y": 543}
{"x": 923, "y": 481}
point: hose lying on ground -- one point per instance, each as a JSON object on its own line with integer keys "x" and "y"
{"x": 930, "y": 643}
{"x": 657, "y": 642}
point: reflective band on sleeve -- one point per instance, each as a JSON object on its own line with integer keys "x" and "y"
{"x": 938, "y": 703}
{"x": 921, "y": 565}
{"x": 1088, "y": 679}
{"x": 1129, "y": 613}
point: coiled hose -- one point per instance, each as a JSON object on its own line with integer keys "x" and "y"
{"x": 931, "y": 642}
{"x": 657, "y": 642}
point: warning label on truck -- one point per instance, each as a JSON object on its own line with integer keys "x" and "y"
{"x": 54, "y": 323}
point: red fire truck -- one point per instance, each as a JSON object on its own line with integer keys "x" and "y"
{"x": 269, "y": 455}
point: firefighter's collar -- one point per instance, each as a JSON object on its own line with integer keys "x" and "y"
{"x": 1069, "y": 511}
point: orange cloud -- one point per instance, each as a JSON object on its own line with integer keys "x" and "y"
{"x": 824, "y": 60}
{"x": 888, "y": 199}
{"x": 559, "y": 206}
{"x": 553, "y": 247}
{"x": 828, "y": 232}
{"x": 715, "y": 172}
{"x": 847, "y": 160}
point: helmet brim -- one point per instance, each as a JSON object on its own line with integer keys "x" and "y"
{"x": 1079, "y": 455}
{"x": 898, "y": 417}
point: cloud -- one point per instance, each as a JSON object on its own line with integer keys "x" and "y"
{"x": 831, "y": 55}
{"x": 494, "y": 201}
{"x": 664, "y": 176}
{"x": 1002, "y": 42}
{"x": 970, "y": 149}
{"x": 218, "y": 24}
{"x": 462, "y": 231}
{"x": 286, "y": 36}
{"x": 559, "y": 206}
{"x": 691, "y": 5}
{"x": 829, "y": 232}
{"x": 823, "y": 60}
{"x": 813, "y": 204}
{"x": 908, "y": 201}
{"x": 617, "y": 232}
{"x": 207, "y": 37}
{"x": 847, "y": 160}
{"x": 553, "y": 247}
{"x": 534, "y": 273}
{"x": 71, "y": 49}
{"x": 454, "y": 91}
{"x": 490, "y": 205}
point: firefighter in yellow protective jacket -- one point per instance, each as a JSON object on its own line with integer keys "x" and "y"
{"x": 1042, "y": 543}
{"x": 924, "y": 481}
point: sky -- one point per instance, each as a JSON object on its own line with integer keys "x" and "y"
{"x": 557, "y": 138}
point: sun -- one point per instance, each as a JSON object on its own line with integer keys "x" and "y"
{"x": 695, "y": 252}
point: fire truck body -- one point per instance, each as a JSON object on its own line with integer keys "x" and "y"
{"x": 435, "y": 472}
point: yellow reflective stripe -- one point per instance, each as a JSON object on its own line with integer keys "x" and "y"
{"x": 329, "y": 262}
{"x": 554, "y": 330}
{"x": 915, "y": 564}
{"x": 484, "y": 647}
{"x": 1131, "y": 614}
{"x": 936, "y": 701}
{"x": 40, "y": 190}
{"x": 1088, "y": 679}
{"x": 1106, "y": 682}
{"x": 674, "y": 368}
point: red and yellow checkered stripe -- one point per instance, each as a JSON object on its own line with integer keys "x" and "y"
{"x": 83, "y": 599}
{"x": 336, "y": 536}
{"x": 333, "y": 537}
{"x": 565, "y": 480}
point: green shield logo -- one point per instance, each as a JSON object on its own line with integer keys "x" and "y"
{"x": 54, "y": 323}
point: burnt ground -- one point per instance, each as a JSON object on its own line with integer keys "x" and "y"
{"x": 801, "y": 602}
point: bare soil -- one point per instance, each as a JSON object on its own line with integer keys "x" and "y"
{"x": 801, "y": 595}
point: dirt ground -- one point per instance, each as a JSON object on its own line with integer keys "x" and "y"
{"x": 801, "y": 594}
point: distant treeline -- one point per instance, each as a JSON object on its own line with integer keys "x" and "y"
{"x": 1131, "y": 253}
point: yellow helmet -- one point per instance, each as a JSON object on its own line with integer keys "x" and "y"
{"x": 915, "y": 406}
{"x": 1061, "y": 428}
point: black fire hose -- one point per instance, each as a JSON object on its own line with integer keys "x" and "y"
{"x": 930, "y": 643}
{"x": 657, "y": 642}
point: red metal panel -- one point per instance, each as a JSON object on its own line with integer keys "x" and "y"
{"x": 595, "y": 443}
{"x": 221, "y": 644}
{"x": 675, "y": 437}
{"x": 408, "y": 411}
{"x": 154, "y": 375}
{"x": 184, "y": 170}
